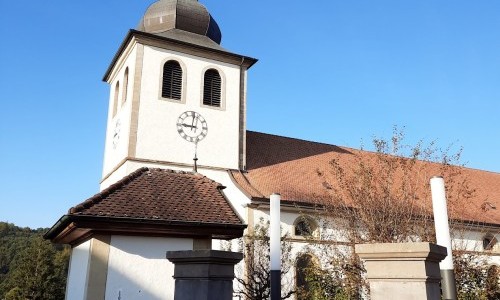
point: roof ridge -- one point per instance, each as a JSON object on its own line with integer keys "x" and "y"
{"x": 370, "y": 151}
{"x": 172, "y": 171}
{"x": 97, "y": 198}
{"x": 107, "y": 191}
{"x": 202, "y": 177}
{"x": 299, "y": 139}
{"x": 250, "y": 185}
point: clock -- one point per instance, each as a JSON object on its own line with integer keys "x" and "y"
{"x": 116, "y": 134}
{"x": 192, "y": 126}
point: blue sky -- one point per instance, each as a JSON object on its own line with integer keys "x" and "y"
{"x": 335, "y": 71}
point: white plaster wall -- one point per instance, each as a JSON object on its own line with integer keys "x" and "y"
{"x": 467, "y": 240}
{"x": 158, "y": 138}
{"x": 118, "y": 174}
{"x": 113, "y": 155}
{"x": 494, "y": 260}
{"x": 138, "y": 269}
{"x": 77, "y": 273}
{"x": 129, "y": 167}
{"x": 472, "y": 240}
{"x": 287, "y": 219}
{"x": 236, "y": 197}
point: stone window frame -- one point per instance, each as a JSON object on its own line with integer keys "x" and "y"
{"x": 313, "y": 224}
{"x": 313, "y": 259}
{"x": 116, "y": 98}
{"x": 222, "y": 88}
{"x": 183, "y": 83}
{"x": 489, "y": 242}
{"x": 125, "y": 86}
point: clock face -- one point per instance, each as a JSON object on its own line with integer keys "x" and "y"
{"x": 116, "y": 134}
{"x": 192, "y": 126}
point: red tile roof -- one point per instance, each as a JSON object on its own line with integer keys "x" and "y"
{"x": 160, "y": 194}
{"x": 156, "y": 197}
{"x": 299, "y": 170}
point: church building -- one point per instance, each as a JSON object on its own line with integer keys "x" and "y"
{"x": 181, "y": 171}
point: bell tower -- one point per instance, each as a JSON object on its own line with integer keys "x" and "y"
{"x": 175, "y": 91}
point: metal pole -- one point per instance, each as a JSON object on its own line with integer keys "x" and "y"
{"x": 195, "y": 159}
{"x": 275, "y": 246}
{"x": 439, "y": 206}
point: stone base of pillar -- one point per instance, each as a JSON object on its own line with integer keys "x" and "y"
{"x": 204, "y": 274}
{"x": 403, "y": 271}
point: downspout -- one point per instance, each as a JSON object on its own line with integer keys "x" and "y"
{"x": 242, "y": 123}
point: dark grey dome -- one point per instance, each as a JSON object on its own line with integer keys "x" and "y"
{"x": 187, "y": 15}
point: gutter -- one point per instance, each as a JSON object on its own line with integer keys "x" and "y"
{"x": 65, "y": 220}
{"x": 132, "y": 32}
{"x": 57, "y": 227}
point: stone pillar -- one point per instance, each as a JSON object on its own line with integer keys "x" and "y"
{"x": 98, "y": 267}
{"x": 204, "y": 274}
{"x": 407, "y": 271}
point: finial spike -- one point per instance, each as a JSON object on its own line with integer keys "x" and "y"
{"x": 195, "y": 159}
{"x": 195, "y": 166}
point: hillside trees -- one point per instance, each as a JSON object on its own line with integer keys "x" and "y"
{"x": 31, "y": 268}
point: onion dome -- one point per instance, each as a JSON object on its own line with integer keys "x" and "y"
{"x": 187, "y": 15}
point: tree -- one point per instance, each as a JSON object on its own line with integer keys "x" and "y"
{"x": 492, "y": 285}
{"x": 383, "y": 197}
{"x": 15, "y": 294}
{"x": 470, "y": 275}
{"x": 13, "y": 240}
{"x": 39, "y": 272}
{"x": 255, "y": 280}
{"x": 331, "y": 283}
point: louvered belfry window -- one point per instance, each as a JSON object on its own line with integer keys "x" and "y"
{"x": 115, "y": 101}
{"x": 212, "y": 88}
{"x": 172, "y": 80}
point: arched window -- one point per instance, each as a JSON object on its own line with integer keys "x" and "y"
{"x": 305, "y": 226}
{"x": 115, "y": 101}
{"x": 212, "y": 88}
{"x": 304, "y": 266}
{"x": 489, "y": 241}
{"x": 125, "y": 86}
{"x": 493, "y": 282}
{"x": 172, "y": 80}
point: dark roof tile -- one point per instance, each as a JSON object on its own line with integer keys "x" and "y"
{"x": 159, "y": 194}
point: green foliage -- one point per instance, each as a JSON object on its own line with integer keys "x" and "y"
{"x": 340, "y": 279}
{"x": 492, "y": 285}
{"x": 322, "y": 285}
{"x": 475, "y": 279}
{"x": 31, "y": 267}
{"x": 470, "y": 275}
{"x": 14, "y": 294}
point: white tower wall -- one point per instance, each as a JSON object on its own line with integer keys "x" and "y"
{"x": 116, "y": 148}
{"x": 147, "y": 132}
{"x": 158, "y": 138}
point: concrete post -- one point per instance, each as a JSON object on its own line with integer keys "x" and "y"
{"x": 407, "y": 271}
{"x": 440, "y": 209}
{"x": 204, "y": 274}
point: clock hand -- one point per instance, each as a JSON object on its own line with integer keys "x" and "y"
{"x": 195, "y": 123}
